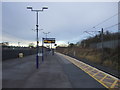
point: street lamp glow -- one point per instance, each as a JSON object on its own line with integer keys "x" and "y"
{"x": 44, "y": 7}
{"x": 46, "y": 32}
{"x": 29, "y": 7}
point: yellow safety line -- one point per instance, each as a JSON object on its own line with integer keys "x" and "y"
{"x": 103, "y": 77}
{"x": 113, "y": 85}
{"x": 96, "y": 74}
{"x": 74, "y": 61}
{"x": 91, "y": 70}
{"x": 86, "y": 68}
{"x": 88, "y": 71}
{"x": 99, "y": 81}
{"x": 106, "y": 82}
{"x": 94, "y": 77}
{"x": 110, "y": 78}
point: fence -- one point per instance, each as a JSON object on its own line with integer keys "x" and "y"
{"x": 106, "y": 44}
{"x": 14, "y": 53}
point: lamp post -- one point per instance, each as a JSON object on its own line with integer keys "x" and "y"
{"x": 43, "y": 43}
{"x": 37, "y": 11}
{"x": 46, "y": 37}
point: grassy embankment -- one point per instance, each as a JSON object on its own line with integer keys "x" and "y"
{"x": 109, "y": 58}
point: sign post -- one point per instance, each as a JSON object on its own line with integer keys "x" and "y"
{"x": 42, "y": 50}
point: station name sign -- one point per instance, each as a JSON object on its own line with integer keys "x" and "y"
{"x": 49, "y": 40}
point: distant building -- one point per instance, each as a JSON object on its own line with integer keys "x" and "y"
{"x": 5, "y": 43}
{"x": 0, "y": 44}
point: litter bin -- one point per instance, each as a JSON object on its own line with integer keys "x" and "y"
{"x": 20, "y": 55}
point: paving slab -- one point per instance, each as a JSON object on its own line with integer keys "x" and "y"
{"x": 54, "y": 72}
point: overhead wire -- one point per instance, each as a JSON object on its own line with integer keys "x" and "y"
{"x": 89, "y": 30}
{"x": 112, "y": 26}
{"x": 107, "y": 19}
{"x": 103, "y": 21}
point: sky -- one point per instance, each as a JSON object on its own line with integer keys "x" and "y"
{"x": 66, "y": 21}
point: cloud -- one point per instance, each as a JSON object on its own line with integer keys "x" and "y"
{"x": 66, "y": 21}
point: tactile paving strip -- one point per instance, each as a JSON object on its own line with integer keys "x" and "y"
{"x": 105, "y": 79}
